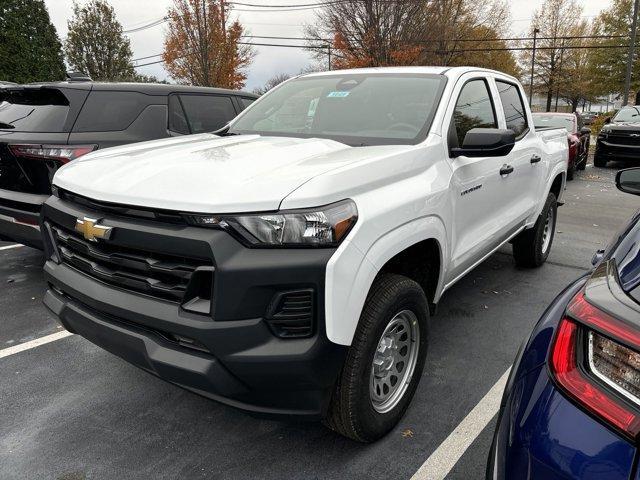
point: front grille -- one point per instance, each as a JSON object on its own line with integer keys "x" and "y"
{"x": 122, "y": 210}
{"x": 159, "y": 275}
{"x": 624, "y": 137}
{"x": 291, "y": 314}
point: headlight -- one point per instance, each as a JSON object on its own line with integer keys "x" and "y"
{"x": 317, "y": 227}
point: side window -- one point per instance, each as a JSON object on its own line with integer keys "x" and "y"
{"x": 177, "y": 119}
{"x": 206, "y": 113}
{"x": 110, "y": 111}
{"x": 245, "y": 102}
{"x": 474, "y": 109}
{"x": 513, "y": 106}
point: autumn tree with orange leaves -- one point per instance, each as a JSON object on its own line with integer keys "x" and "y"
{"x": 202, "y": 46}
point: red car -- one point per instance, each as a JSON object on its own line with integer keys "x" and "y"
{"x": 578, "y": 136}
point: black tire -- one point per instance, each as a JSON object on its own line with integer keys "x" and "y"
{"x": 598, "y": 161}
{"x": 528, "y": 246}
{"x": 583, "y": 164}
{"x": 571, "y": 171}
{"x": 351, "y": 412}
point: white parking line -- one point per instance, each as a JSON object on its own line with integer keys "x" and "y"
{"x": 444, "y": 458}
{"x": 5, "y": 352}
{"x": 9, "y": 247}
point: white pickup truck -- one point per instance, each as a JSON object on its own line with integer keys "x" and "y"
{"x": 289, "y": 263}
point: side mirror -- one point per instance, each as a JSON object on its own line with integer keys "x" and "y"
{"x": 486, "y": 142}
{"x": 585, "y": 131}
{"x": 607, "y": 120}
{"x": 628, "y": 180}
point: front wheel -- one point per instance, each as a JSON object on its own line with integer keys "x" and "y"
{"x": 599, "y": 161}
{"x": 384, "y": 363}
{"x": 531, "y": 247}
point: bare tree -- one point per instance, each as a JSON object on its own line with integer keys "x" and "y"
{"x": 369, "y": 32}
{"x": 437, "y": 32}
{"x": 556, "y": 20}
{"x": 271, "y": 83}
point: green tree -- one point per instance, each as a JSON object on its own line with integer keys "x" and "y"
{"x": 607, "y": 65}
{"x": 95, "y": 44}
{"x": 30, "y": 49}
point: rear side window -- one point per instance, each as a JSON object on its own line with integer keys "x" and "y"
{"x": 245, "y": 102}
{"x": 41, "y": 110}
{"x": 474, "y": 109}
{"x": 177, "y": 118}
{"x": 206, "y": 113}
{"x": 110, "y": 111}
{"x": 513, "y": 106}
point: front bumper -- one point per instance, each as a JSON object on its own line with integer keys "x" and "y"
{"x": 613, "y": 151}
{"x": 540, "y": 433}
{"x": 20, "y": 218}
{"x": 241, "y": 361}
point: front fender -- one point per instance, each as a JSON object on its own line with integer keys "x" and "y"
{"x": 350, "y": 273}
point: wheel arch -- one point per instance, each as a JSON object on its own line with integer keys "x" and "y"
{"x": 349, "y": 281}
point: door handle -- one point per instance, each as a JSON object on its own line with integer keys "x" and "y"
{"x": 506, "y": 170}
{"x": 535, "y": 159}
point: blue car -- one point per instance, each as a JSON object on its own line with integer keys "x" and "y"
{"x": 571, "y": 407}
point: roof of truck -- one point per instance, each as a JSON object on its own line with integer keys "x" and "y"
{"x": 433, "y": 70}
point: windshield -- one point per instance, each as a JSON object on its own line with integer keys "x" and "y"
{"x": 555, "y": 121}
{"x": 356, "y": 109}
{"x": 628, "y": 114}
{"x": 41, "y": 110}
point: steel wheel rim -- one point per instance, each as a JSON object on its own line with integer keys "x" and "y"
{"x": 548, "y": 231}
{"x": 394, "y": 361}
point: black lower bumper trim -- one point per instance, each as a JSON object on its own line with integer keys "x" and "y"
{"x": 248, "y": 367}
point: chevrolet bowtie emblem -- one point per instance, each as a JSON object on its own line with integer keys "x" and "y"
{"x": 90, "y": 230}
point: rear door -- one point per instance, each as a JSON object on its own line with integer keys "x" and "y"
{"x": 112, "y": 117}
{"x": 520, "y": 189}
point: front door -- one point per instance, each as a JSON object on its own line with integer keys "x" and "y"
{"x": 478, "y": 225}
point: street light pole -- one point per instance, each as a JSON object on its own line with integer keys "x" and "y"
{"x": 533, "y": 62}
{"x": 632, "y": 48}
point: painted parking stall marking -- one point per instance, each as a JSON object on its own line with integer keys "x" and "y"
{"x": 10, "y": 247}
{"x": 5, "y": 352}
{"x": 444, "y": 458}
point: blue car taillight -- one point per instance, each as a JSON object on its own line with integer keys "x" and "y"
{"x": 595, "y": 360}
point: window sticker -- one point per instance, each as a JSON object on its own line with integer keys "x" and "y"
{"x": 338, "y": 94}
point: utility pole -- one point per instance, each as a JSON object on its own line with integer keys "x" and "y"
{"x": 329, "y": 51}
{"x": 632, "y": 48}
{"x": 533, "y": 62}
{"x": 559, "y": 71}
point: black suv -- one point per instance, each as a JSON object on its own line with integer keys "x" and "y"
{"x": 43, "y": 126}
{"x": 619, "y": 139}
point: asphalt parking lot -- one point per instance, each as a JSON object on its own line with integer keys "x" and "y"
{"x": 72, "y": 411}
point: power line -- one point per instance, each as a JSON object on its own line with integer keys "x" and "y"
{"x": 319, "y": 47}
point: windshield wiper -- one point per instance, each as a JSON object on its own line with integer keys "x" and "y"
{"x": 6, "y": 125}
{"x": 225, "y": 132}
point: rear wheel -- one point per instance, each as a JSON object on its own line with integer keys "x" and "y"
{"x": 585, "y": 158}
{"x": 384, "y": 363}
{"x": 531, "y": 247}
{"x": 571, "y": 171}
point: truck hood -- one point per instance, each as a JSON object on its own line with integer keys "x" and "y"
{"x": 206, "y": 173}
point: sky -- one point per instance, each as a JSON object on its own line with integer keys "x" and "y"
{"x": 269, "y": 61}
